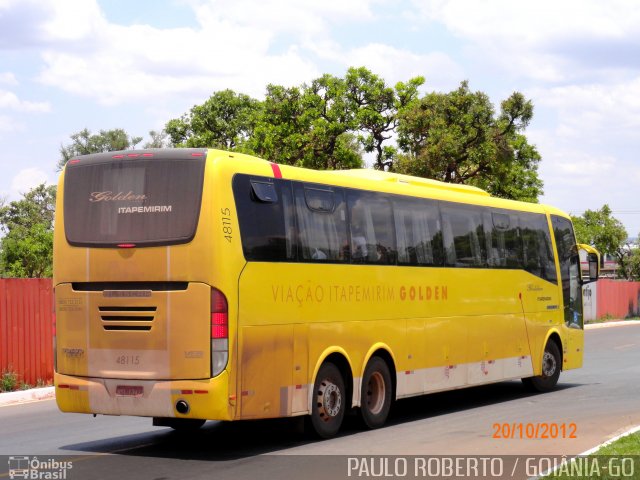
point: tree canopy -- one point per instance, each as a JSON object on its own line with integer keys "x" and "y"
{"x": 456, "y": 137}
{"x": 84, "y": 143}
{"x": 333, "y": 122}
{"x": 606, "y": 233}
{"x": 26, "y": 250}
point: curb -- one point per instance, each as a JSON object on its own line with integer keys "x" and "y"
{"x": 24, "y": 396}
{"x": 631, "y": 431}
{"x": 621, "y": 323}
{"x": 591, "y": 451}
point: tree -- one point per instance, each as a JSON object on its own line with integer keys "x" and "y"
{"x": 84, "y": 143}
{"x": 159, "y": 139}
{"x": 26, "y": 250}
{"x": 226, "y": 120}
{"x": 633, "y": 263}
{"x": 376, "y": 106}
{"x": 455, "y": 137}
{"x": 309, "y": 126}
{"x": 606, "y": 233}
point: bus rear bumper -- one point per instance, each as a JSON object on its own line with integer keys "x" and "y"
{"x": 205, "y": 399}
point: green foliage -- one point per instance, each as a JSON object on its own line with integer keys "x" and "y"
{"x": 600, "y": 229}
{"x": 159, "y": 139}
{"x": 8, "y": 381}
{"x": 324, "y": 124}
{"x": 84, "y": 143}
{"x": 605, "y": 232}
{"x": 26, "y": 250}
{"x": 633, "y": 264}
{"x": 226, "y": 120}
{"x": 376, "y": 109}
{"x": 456, "y": 137}
{"x": 309, "y": 126}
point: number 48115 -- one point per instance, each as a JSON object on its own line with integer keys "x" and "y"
{"x": 226, "y": 223}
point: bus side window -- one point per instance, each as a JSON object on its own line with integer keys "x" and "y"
{"x": 505, "y": 244}
{"x": 418, "y": 235}
{"x": 371, "y": 228}
{"x": 463, "y": 231}
{"x": 265, "y": 218}
{"x": 321, "y": 217}
{"x": 537, "y": 249}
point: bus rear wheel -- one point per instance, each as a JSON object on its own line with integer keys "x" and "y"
{"x": 329, "y": 401}
{"x": 551, "y": 366}
{"x": 376, "y": 393}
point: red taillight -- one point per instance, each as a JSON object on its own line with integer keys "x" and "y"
{"x": 126, "y": 245}
{"x": 73, "y": 162}
{"x": 219, "y": 315}
{"x": 117, "y": 156}
{"x": 197, "y": 154}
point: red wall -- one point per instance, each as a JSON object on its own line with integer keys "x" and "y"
{"x": 26, "y": 333}
{"x": 618, "y": 299}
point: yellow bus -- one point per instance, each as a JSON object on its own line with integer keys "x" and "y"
{"x": 195, "y": 284}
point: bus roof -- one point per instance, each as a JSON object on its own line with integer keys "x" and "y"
{"x": 370, "y": 174}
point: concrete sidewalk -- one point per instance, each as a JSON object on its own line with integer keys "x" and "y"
{"x": 22, "y": 396}
{"x": 617, "y": 323}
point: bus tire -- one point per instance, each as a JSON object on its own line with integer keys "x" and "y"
{"x": 376, "y": 393}
{"x": 329, "y": 401}
{"x": 551, "y": 366}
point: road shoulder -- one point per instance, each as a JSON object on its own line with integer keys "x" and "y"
{"x": 22, "y": 396}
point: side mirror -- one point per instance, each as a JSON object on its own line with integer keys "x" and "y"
{"x": 594, "y": 266}
{"x": 593, "y": 259}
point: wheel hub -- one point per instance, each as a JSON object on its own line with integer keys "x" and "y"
{"x": 329, "y": 400}
{"x": 548, "y": 365}
{"x": 375, "y": 393}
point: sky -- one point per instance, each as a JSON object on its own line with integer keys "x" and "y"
{"x": 66, "y": 65}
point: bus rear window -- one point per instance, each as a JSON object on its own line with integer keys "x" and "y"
{"x": 142, "y": 201}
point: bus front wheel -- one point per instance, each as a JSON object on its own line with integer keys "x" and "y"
{"x": 376, "y": 393}
{"x": 329, "y": 401}
{"x": 551, "y": 366}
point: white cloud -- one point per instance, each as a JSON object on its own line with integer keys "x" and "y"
{"x": 545, "y": 40}
{"x": 10, "y": 125}
{"x": 140, "y": 62}
{"x": 9, "y": 100}
{"x": 306, "y": 17}
{"x": 395, "y": 65}
{"x": 8, "y": 78}
{"x": 27, "y": 179}
{"x": 595, "y": 112}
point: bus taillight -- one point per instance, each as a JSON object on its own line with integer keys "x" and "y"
{"x": 219, "y": 315}
{"x": 219, "y": 332}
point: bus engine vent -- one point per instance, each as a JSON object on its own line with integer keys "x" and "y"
{"x": 116, "y": 318}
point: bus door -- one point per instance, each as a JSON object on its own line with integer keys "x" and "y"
{"x": 571, "y": 284}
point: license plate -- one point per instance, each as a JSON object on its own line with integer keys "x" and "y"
{"x": 129, "y": 391}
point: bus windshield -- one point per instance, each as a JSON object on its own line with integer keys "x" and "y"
{"x": 137, "y": 202}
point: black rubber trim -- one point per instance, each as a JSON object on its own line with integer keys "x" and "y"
{"x": 154, "y": 286}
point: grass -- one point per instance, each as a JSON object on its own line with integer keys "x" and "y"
{"x": 614, "y": 461}
{"x": 628, "y": 445}
{"x": 8, "y": 381}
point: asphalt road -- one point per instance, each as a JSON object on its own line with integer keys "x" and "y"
{"x": 592, "y": 404}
